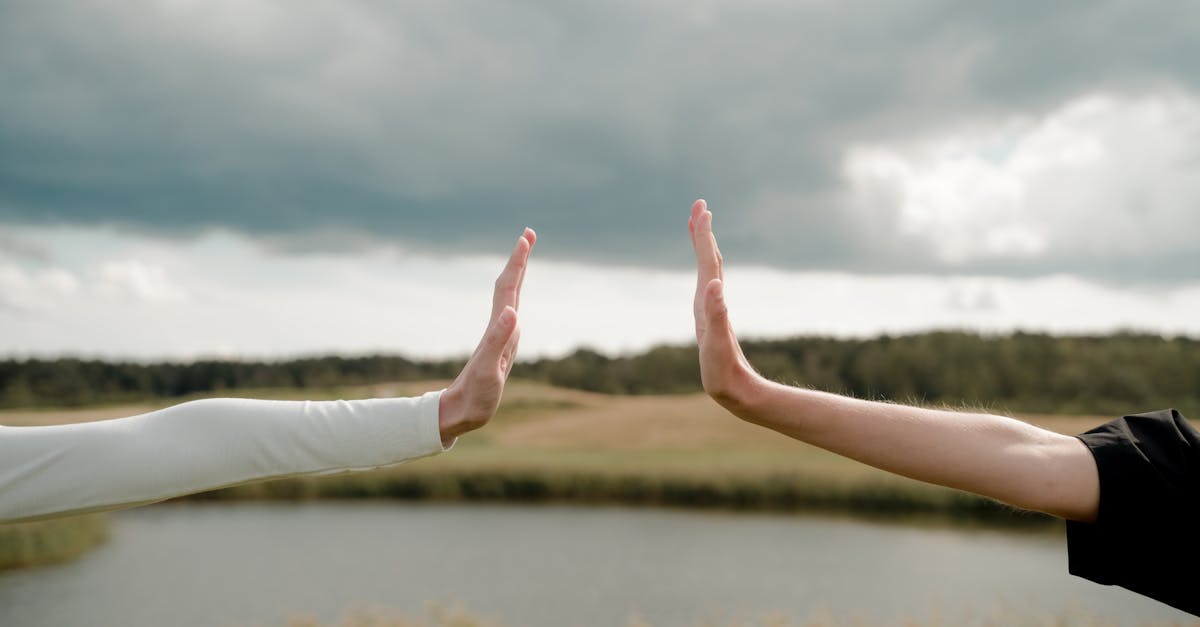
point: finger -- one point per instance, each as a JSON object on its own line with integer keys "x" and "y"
{"x": 719, "y": 345}
{"x": 505, "y": 293}
{"x": 716, "y": 313}
{"x": 708, "y": 256}
{"x": 529, "y": 236}
{"x": 697, "y": 207}
{"x": 713, "y": 262}
{"x": 510, "y": 352}
{"x": 497, "y": 338}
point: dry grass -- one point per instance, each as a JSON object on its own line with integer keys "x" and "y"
{"x": 582, "y": 420}
{"x": 440, "y": 616}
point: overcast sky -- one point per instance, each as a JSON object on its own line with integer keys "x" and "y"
{"x": 183, "y": 178}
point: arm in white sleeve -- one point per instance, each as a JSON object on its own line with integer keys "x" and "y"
{"x": 202, "y": 445}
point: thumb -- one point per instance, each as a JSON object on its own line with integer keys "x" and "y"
{"x": 502, "y": 329}
{"x": 716, "y": 313}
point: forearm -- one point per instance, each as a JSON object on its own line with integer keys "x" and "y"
{"x": 992, "y": 455}
{"x": 203, "y": 445}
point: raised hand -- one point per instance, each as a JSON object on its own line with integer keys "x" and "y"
{"x": 724, "y": 370}
{"x": 472, "y": 399}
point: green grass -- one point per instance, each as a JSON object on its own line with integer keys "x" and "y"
{"x": 23, "y": 545}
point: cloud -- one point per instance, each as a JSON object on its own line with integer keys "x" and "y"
{"x": 145, "y": 282}
{"x": 24, "y": 292}
{"x": 118, "y": 299}
{"x": 972, "y": 296}
{"x": 447, "y": 127}
{"x": 1101, "y": 183}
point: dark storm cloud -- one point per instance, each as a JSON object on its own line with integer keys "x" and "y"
{"x": 448, "y": 126}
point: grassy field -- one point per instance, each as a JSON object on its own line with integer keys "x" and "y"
{"x": 552, "y": 444}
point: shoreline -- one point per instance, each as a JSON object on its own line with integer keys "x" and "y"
{"x": 791, "y": 494}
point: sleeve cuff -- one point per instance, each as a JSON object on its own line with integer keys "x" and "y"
{"x": 408, "y": 429}
{"x": 431, "y": 429}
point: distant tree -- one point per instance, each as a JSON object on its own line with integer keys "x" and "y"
{"x": 1109, "y": 374}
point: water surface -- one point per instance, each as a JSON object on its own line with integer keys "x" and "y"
{"x": 553, "y": 566}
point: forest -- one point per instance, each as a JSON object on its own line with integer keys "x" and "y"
{"x": 1019, "y": 372}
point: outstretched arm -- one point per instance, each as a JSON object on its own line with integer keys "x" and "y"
{"x": 994, "y": 456}
{"x": 212, "y": 443}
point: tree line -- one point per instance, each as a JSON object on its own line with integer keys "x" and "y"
{"x": 1109, "y": 374}
{"x": 1119, "y": 373}
{"x": 75, "y": 382}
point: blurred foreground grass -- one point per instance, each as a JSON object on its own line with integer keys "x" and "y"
{"x": 50, "y": 541}
{"x": 439, "y": 616}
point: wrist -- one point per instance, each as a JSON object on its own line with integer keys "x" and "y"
{"x": 740, "y": 391}
{"x": 450, "y": 414}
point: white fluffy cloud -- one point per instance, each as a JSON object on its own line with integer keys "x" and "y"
{"x": 1100, "y": 179}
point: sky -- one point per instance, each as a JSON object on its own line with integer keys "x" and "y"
{"x": 186, "y": 179}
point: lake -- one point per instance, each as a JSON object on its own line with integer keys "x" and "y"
{"x": 550, "y": 566}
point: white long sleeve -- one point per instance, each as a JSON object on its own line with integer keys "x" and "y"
{"x": 201, "y": 445}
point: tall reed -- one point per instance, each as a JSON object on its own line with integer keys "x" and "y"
{"x": 789, "y": 492}
{"x": 50, "y": 541}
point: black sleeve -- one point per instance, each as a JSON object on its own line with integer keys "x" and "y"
{"x": 1145, "y": 535}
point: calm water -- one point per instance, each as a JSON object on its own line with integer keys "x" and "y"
{"x": 231, "y": 564}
